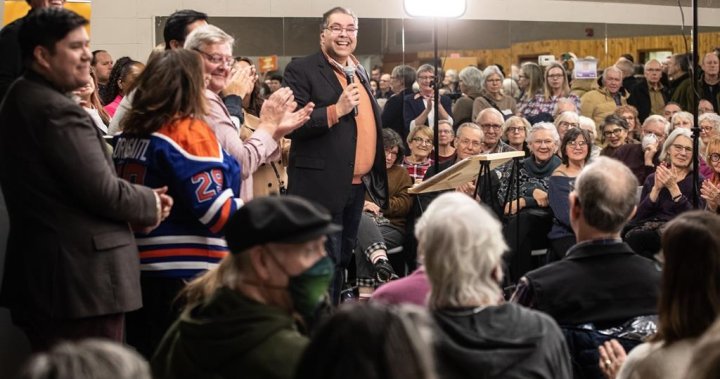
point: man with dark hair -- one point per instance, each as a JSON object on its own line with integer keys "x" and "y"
{"x": 336, "y": 155}
{"x": 179, "y": 25}
{"x": 401, "y": 82}
{"x": 102, "y": 63}
{"x": 680, "y": 88}
{"x": 274, "y": 81}
{"x": 72, "y": 269}
{"x": 600, "y": 281}
{"x": 11, "y": 64}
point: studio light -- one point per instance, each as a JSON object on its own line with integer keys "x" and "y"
{"x": 435, "y": 8}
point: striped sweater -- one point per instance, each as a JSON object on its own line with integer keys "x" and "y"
{"x": 204, "y": 182}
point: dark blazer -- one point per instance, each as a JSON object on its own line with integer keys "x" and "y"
{"x": 70, "y": 252}
{"x": 322, "y": 158}
{"x": 600, "y": 283}
{"x": 392, "y": 114}
{"x": 413, "y": 107}
{"x": 11, "y": 65}
{"x": 640, "y": 99}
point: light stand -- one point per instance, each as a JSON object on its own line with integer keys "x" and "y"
{"x": 695, "y": 101}
{"x": 435, "y": 9}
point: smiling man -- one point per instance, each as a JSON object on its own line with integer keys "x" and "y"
{"x": 336, "y": 155}
{"x": 72, "y": 270}
{"x": 600, "y": 103}
{"x": 11, "y": 65}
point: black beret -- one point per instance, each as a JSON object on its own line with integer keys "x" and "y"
{"x": 281, "y": 219}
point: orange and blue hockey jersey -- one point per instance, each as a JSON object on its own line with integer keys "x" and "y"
{"x": 204, "y": 182}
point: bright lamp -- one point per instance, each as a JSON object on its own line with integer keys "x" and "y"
{"x": 435, "y": 8}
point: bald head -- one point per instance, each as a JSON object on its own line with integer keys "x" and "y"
{"x": 606, "y": 192}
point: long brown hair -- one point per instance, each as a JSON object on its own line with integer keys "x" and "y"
{"x": 690, "y": 286}
{"x": 256, "y": 99}
{"x": 170, "y": 88}
{"x": 95, "y": 100}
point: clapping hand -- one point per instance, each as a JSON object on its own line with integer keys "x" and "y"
{"x": 711, "y": 193}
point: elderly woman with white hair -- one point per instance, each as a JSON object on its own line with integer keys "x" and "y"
{"x": 492, "y": 96}
{"x": 566, "y": 121}
{"x": 471, "y": 81}
{"x": 478, "y": 332}
{"x": 587, "y": 124}
{"x": 665, "y": 194}
{"x": 709, "y": 128}
{"x": 529, "y": 209}
{"x": 682, "y": 120}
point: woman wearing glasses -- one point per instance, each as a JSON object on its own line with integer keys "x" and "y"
{"x": 515, "y": 131}
{"x": 574, "y": 153}
{"x": 556, "y": 87}
{"x": 709, "y": 129}
{"x": 614, "y": 134}
{"x": 533, "y": 217}
{"x": 665, "y": 194}
{"x": 491, "y": 95}
{"x": 566, "y": 121}
{"x": 710, "y": 190}
{"x": 420, "y": 141}
{"x": 419, "y": 108}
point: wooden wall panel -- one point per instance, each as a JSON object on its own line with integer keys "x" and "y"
{"x": 582, "y": 48}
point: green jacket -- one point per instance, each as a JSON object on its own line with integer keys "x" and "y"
{"x": 230, "y": 336}
{"x": 682, "y": 94}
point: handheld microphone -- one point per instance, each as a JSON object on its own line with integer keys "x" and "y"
{"x": 350, "y": 75}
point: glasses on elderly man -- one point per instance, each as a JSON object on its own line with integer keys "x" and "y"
{"x": 217, "y": 58}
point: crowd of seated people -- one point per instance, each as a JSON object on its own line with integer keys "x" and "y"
{"x": 604, "y": 189}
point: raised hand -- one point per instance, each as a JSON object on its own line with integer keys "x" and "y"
{"x": 711, "y": 194}
{"x": 241, "y": 83}
{"x": 348, "y": 100}
{"x": 293, "y": 120}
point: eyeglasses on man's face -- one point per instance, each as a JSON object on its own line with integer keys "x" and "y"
{"x": 336, "y": 29}
{"x": 217, "y": 58}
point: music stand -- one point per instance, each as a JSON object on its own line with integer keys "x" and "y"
{"x": 466, "y": 170}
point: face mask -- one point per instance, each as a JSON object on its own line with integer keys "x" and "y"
{"x": 648, "y": 140}
{"x": 308, "y": 289}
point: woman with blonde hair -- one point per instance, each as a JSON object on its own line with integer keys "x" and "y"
{"x": 420, "y": 140}
{"x": 556, "y": 87}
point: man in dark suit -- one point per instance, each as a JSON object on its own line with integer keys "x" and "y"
{"x": 72, "y": 267}
{"x": 338, "y": 154}
{"x": 600, "y": 280}
{"x": 649, "y": 95}
{"x": 419, "y": 108}
{"x": 401, "y": 80}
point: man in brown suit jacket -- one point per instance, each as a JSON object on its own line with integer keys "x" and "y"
{"x": 72, "y": 267}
